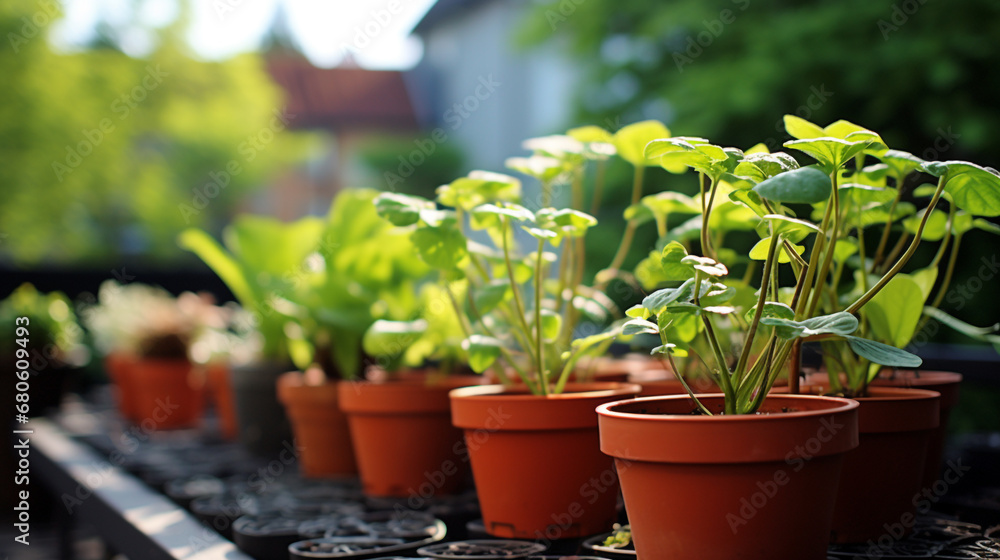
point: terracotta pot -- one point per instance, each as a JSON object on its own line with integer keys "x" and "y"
{"x": 882, "y": 476}
{"x": 944, "y": 382}
{"x": 262, "y": 425}
{"x": 320, "y": 426}
{"x": 753, "y": 487}
{"x": 403, "y": 438}
{"x": 119, "y": 367}
{"x": 538, "y": 467}
{"x": 169, "y": 393}
{"x": 222, "y": 397}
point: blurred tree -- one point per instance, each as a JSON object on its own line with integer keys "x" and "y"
{"x": 921, "y": 72}
{"x": 103, "y": 155}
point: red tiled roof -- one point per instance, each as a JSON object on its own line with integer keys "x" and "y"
{"x": 342, "y": 98}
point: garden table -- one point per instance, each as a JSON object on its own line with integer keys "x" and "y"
{"x": 130, "y": 516}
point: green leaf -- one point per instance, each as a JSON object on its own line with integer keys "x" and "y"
{"x": 222, "y": 263}
{"x": 441, "y": 247}
{"x": 772, "y": 309}
{"x": 639, "y": 326}
{"x": 802, "y": 129}
{"x": 925, "y": 279}
{"x": 974, "y": 189}
{"x": 565, "y": 221}
{"x": 630, "y": 141}
{"x": 392, "y": 338}
{"x": 706, "y": 265}
{"x": 658, "y": 300}
{"x": 543, "y": 168}
{"x": 894, "y": 312}
{"x": 479, "y": 187}
{"x": 844, "y": 249}
{"x": 401, "y": 209}
{"x": 491, "y": 215}
{"x": 551, "y": 323}
{"x": 759, "y": 251}
{"x": 492, "y": 294}
{"x": 483, "y": 351}
{"x": 590, "y": 133}
{"x": 750, "y": 199}
{"x": 670, "y": 261}
{"x": 832, "y": 153}
{"x": 902, "y": 163}
{"x": 677, "y": 153}
{"x": 805, "y": 185}
{"x": 668, "y": 202}
{"x": 841, "y": 323}
{"x": 558, "y": 146}
{"x": 793, "y": 228}
{"x": 664, "y": 349}
{"x": 883, "y": 353}
{"x": 715, "y": 293}
{"x": 637, "y": 312}
{"x": 985, "y": 225}
{"x": 761, "y": 166}
{"x": 961, "y": 326}
{"x": 934, "y": 230}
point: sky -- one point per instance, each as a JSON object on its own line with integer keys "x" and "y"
{"x": 376, "y": 32}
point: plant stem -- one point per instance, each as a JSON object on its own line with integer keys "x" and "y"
{"x": 720, "y": 357}
{"x": 817, "y": 248}
{"x": 504, "y": 230}
{"x": 906, "y": 256}
{"x": 706, "y": 247}
{"x": 952, "y": 258}
{"x": 764, "y": 282}
{"x": 462, "y": 319}
{"x": 947, "y": 237}
{"x": 595, "y": 204}
{"x": 877, "y": 259}
{"x": 903, "y": 238}
{"x": 540, "y": 359}
{"x": 830, "y": 249}
{"x": 680, "y": 378}
{"x": 794, "y": 365}
{"x": 626, "y": 242}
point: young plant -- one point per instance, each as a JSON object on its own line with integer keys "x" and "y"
{"x": 149, "y": 322}
{"x": 315, "y": 286}
{"x": 773, "y": 324}
{"x": 891, "y": 304}
{"x": 260, "y": 263}
{"x": 50, "y": 321}
{"x": 514, "y": 316}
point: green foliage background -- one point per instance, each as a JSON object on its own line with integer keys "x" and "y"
{"x": 920, "y": 72}
{"x": 907, "y": 68}
{"x": 123, "y": 198}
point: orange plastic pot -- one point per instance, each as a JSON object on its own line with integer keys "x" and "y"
{"x": 944, "y": 382}
{"x": 754, "y": 487}
{"x": 321, "y": 433}
{"x": 536, "y": 460}
{"x": 402, "y": 434}
{"x": 222, "y": 396}
{"x": 882, "y": 477}
{"x": 169, "y": 393}
{"x": 120, "y": 371}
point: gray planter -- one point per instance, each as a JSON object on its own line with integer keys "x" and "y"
{"x": 263, "y": 426}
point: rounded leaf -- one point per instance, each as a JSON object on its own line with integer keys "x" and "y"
{"x": 807, "y": 185}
